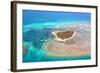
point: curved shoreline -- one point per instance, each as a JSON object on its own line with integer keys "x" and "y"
{"x": 59, "y": 39}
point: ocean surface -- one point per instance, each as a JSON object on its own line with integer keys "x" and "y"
{"x": 33, "y": 46}
{"x": 37, "y": 32}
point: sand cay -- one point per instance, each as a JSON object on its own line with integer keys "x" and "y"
{"x": 79, "y": 45}
{"x": 63, "y": 35}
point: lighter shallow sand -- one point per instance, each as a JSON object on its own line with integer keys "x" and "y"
{"x": 79, "y": 45}
{"x": 55, "y": 48}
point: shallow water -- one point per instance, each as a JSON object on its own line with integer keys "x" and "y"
{"x": 40, "y": 55}
{"x": 34, "y": 51}
{"x": 39, "y": 44}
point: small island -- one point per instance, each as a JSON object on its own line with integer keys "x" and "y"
{"x": 63, "y": 35}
